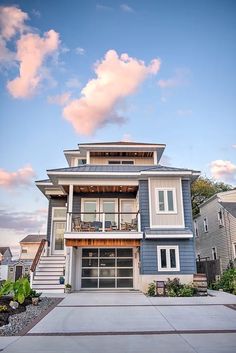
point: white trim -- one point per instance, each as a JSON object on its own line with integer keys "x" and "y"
{"x": 234, "y": 249}
{"x": 168, "y": 268}
{"x": 143, "y": 172}
{"x": 168, "y": 236}
{"x": 122, "y": 146}
{"x": 88, "y": 157}
{"x": 155, "y": 158}
{"x": 181, "y": 201}
{"x": 104, "y": 235}
{"x": 165, "y": 189}
{"x": 57, "y": 219}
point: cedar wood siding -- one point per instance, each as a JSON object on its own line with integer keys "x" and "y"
{"x": 148, "y": 250}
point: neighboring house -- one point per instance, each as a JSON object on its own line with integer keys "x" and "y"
{"x": 5, "y": 255}
{"x": 215, "y": 228}
{"x": 117, "y": 219}
{"x": 18, "y": 268}
{"x": 29, "y": 246}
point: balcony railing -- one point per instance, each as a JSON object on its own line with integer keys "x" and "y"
{"x": 104, "y": 222}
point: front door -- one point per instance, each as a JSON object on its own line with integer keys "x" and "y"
{"x": 106, "y": 268}
{"x": 18, "y": 273}
{"x": 58, "y": 237}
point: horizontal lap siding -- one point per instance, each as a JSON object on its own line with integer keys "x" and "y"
{"x": 148, "y": 251}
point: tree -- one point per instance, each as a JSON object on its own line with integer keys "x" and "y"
{"x": 203, "y": 188}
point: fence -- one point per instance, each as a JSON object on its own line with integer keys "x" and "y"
{"x": 211, "y": 268}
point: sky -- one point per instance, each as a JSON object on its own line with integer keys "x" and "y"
{"x": 78, "y": 71}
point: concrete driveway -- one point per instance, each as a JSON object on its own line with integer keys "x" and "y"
{"x": 92, "y": 322}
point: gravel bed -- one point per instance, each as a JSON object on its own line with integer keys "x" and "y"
{"x": 19, "y": 321}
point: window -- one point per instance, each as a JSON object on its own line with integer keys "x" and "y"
{"x": 205, "y": 225}
{"x": 234, "y": 250}
{"x": 90, "y": 209}
{"x": 220, "y": 218}
{"x": 214, "y": 254}
{"x": 196, "y": 229}
{"x": 166, "y": 201}
{"x": 24, "y": 251}
{"x": 81, "y": 161}
{"x": 168, "y": 258}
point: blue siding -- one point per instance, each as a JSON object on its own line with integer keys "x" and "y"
{"x": 148, "y": 249}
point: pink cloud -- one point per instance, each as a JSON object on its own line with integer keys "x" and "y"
{"x": 223, "y": 170}
{"x": 31, "y": 52}
{"x": 180, "y": 78}
{"x": 21, "y": 177}
{"x": 60, "y": 99}
{"x": 12, "y": 21}
{"x": 117, "y": 77}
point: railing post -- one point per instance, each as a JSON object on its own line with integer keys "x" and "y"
{"x": 103, "y": 222}
{"x": 139, "y": 222}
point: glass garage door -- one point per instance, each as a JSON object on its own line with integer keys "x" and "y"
{"x": 107, "y": 268}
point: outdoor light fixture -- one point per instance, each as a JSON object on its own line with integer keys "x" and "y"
{"x": 160, "y": 288}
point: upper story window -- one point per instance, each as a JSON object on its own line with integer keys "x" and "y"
{"x": 196, "y": 229}
{"x": 121, "y": 162}
{"x": 220, "y": 218}
{"x": 24, "y": 251}
{"x": 168, "y": 258}
{"x": 205, "y": 224}
{"x": 166, "y": 200}
{"x": 81, "y": 161}
{"x": 59, "y": 213}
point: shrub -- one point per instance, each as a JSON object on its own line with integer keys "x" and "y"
{"x": 151, "y": 289}
{"x": 34, "y": 294}
{"x": 186, "y": 291}
{"x": 20, "y": 289}
{"x": 227, "y": 281}
{"x": 175, "y": 289}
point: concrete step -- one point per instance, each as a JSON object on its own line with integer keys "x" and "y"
{"x": 50, "y": 281}
{"x": 48, "y": 286}
{"x": 51, "y": 264}
{"x": 52, "y": 258}
{"x": 46, "y": 277}
{"x": 49, "y": 273}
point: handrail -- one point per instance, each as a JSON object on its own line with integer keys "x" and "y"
{"x": 38, "y": 255}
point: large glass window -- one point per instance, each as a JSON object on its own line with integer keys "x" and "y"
{"x": 90, "y": 209}
{"x": 58, "y": 235}
{"x": 168, "y": 258}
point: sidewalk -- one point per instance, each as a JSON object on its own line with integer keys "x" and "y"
{"x": 98, "y": 322}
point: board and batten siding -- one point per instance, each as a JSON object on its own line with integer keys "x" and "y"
{"x": 53, "y": 202}
{"x": 148, "y": 249}
{"x": 166, "y": 219}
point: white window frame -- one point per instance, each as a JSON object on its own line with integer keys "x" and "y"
{"x": 196, "y": 231}
{"x": 168, "y": 248}
{"x": 234, "y": 250}
{"x": 205, "y": 225}
{"x": 166, "y": 189}
{"x": 121, "y": 161}
{"x": 220, "y": 220}
{"x": 212, "y": 252}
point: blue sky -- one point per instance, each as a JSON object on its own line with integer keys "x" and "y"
{"x": 188, "y": 103}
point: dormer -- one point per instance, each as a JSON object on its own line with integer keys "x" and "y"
{"x": 115, "y": 153}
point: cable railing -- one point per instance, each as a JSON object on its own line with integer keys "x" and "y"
{"x": 104, "y": 221}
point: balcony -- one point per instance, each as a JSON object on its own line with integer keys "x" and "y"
{"x": 97, "y": 225}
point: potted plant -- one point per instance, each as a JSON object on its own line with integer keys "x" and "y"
{"x": 61, "y": 280}
{"x": 68, "y": 288}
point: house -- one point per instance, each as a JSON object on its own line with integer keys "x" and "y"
{"x": 18, "y": 269}
{"x": 116, "y": 219}
{"x": 5, "y": 255}
{"x": 215, "y": 228}
{"x": 29, "y": 246}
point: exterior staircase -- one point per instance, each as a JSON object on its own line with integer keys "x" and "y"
{"x": 47, "y": 274}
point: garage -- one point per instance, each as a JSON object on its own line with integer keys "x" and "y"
{"x": 105, "y": 268}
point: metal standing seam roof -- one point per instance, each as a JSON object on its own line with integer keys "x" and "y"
{"x": 118, "y": 168}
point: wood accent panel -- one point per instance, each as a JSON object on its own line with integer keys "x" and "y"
{"x": 104, "y": 188}
{"x": 102, "y": 242}
{"x": 121, "y": 154}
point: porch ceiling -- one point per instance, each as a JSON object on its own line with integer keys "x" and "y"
{"x": 103, "y": 188}
{"x": 121, "y": 154}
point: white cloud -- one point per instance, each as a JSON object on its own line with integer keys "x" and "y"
{"x": 80, "y": 51}
{"x": 234, "y": 146}
{"x": 127, "y": 8}
{"x": 22, "y": 177}
{"x": 60, "y": 99}
{"x": 184, "y": 112}
{"x": 127, "y": 137}
{"x": 103, "y": 7}
{"x": 36, "y": 13}
{"x": 180, "y": 78}
{"x": 31, "y": 52}
{"x": 73, "y": 83}
{"x": 223, "y": 170}
{"x": 117, "y": 78}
